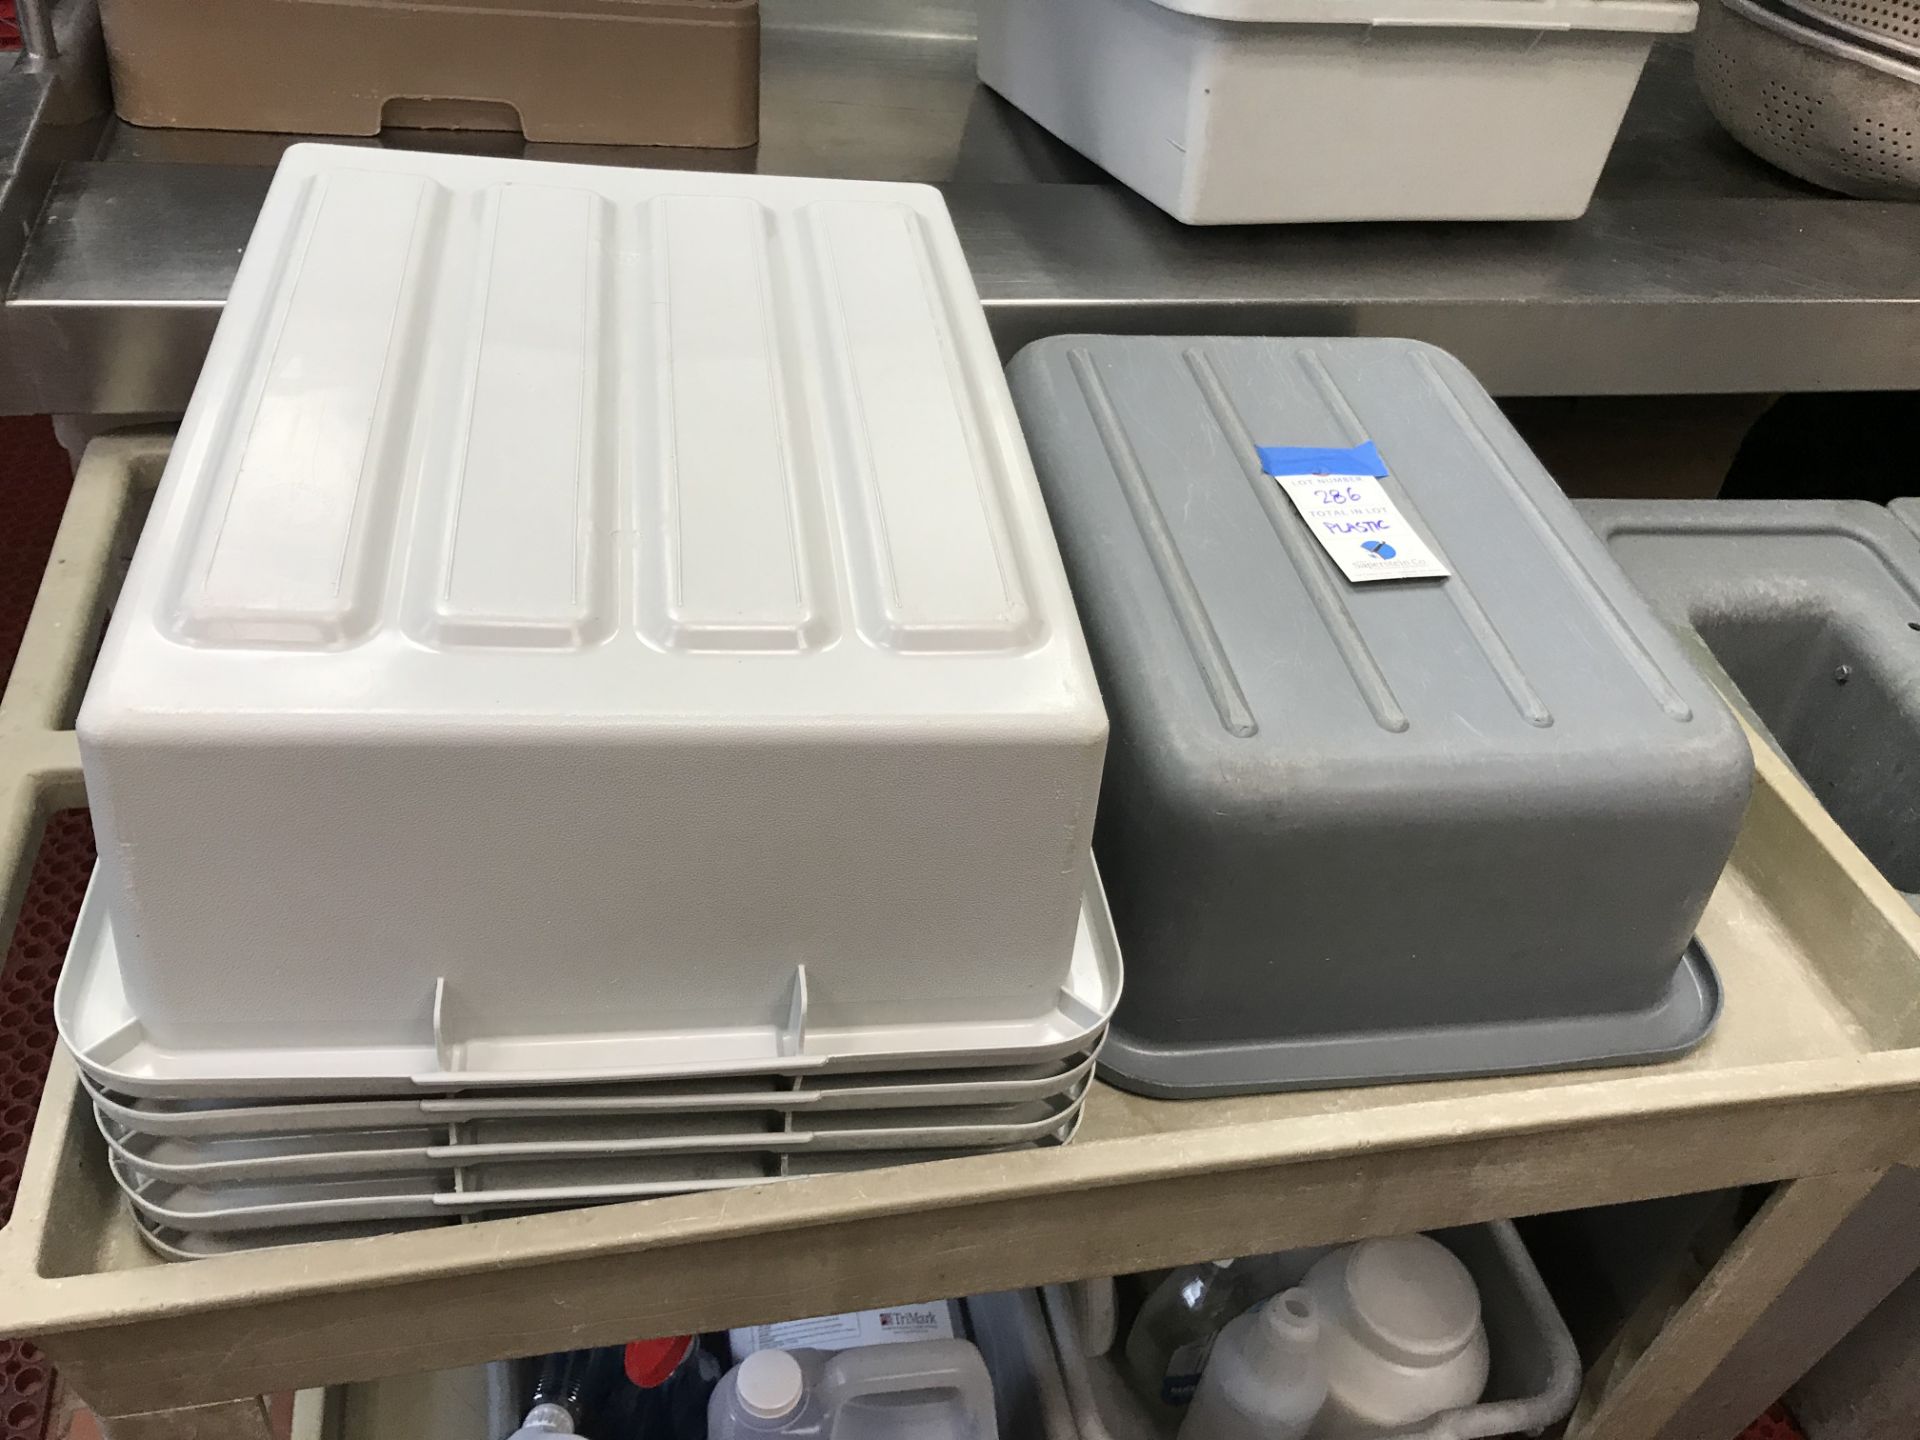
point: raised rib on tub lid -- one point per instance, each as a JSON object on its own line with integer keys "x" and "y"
{"x": 1406, "y": 779}
{"x": 588, "y": 603}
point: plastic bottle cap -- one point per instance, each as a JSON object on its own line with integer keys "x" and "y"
{"x": 770, "y": 1385}
{"x": 544, "y": 1419}
{"x": 1293, "y": 1312}
{"x": 650, "y": 1362}
{"x": 1413, "y": 1296}
{"x": 1220, "y": 1264}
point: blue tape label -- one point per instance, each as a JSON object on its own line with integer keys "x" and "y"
{"x": 1339, "y": 495}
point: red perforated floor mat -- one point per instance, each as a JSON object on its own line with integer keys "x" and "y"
{"x": 34, "y": 480}
{"x": 1776, "y": 1424}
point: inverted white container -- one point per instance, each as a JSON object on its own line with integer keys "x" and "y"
{"x": 585, "y": 602}
{"x": 116, "y": 1052}
{"x": 1256, "y": 111}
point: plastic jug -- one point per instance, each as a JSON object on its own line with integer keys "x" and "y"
{"x": 1264, "y": 1379}
{"x": 1400, "y": 1335}
{"x": 1167, "y": 1347}
{"x": 922, "y": 1390}
{"x": 929, "y": 1390}
{"x": 770, "y": 1393}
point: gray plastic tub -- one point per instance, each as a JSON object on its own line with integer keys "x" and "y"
{"x": 1534, "y": 1381}
{"x": 1357, "y": 832}
{"x": 1812, "y": 609}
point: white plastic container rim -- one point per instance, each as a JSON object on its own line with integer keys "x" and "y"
{"x": 809, "y": 1094}
{"x": 110, "y": 1046}
{"x": 334, "y": 1155}
{"x": 1656, "y": 17}
{"x": 228, "y": 1208}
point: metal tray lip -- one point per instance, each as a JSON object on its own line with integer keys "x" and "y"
{"x": 1668, "y": 1030}
{"x": 244, "y": 1120}
{"x": 1081, "y": 1012}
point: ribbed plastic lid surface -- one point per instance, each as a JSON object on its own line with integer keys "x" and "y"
{"x": 1413, "y": 1295}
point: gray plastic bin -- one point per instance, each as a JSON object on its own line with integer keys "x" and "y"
{"x": 1812, "y": 609}
{"x": 1384, "y": 831}
{"x": 1533, "y": 1383}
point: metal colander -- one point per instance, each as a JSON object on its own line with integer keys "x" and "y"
{"x": 1803, "y": 92}
{"x": 1894, "y": 24}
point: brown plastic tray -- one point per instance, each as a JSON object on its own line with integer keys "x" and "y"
{"x": 584, "y": 72}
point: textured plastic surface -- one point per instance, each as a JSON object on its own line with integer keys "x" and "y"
{"x": 771, "y": 1096}
{"x": 1383, "y": 831}
{"x": 586, "y": 601}
{"x": 1534, "y": 1380}
{"x": 1812, "y": 609}
{"x": 582, "y": 72}
{"x": 1475, "y": 109}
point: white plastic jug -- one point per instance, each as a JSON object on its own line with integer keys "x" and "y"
{"x": 1400, "y": 1335}
{"x": 922, "y": 1390}
{"x": 770, "y": 1393}
{"x": 929, "y": 1390}
{"x": 1264, "y": 1379}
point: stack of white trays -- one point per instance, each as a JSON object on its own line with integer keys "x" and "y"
{"x": 596, "y": 712}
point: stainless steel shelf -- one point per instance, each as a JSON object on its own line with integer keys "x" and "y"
{"x": 1699, "y": 269}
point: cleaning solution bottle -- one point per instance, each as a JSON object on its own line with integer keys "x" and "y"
{"x": 1167, "y": 1347}
{"x": 1263, "y": 1379}
{"x": 771, "y": 1393}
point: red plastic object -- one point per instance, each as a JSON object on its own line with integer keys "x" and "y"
{"x": 9, "y": 27}
{"x": 651, "y": 1362}
{"x": 1776, "y": 1424}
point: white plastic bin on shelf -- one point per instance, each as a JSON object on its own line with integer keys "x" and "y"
{"x": 1258, "y": 111}
{"x": 1535, "y": 1375}
{"x": 586, "y": 604}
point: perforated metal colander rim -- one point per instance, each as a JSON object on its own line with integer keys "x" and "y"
{"x": 1864, "y": 82}
{"x": 1825, "y": 14}
{"x": 1789, "y": 28}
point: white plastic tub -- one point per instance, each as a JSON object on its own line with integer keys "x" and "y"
{"x": 1535, "y": 1375}
{"x": 583, "y": 602}
{"x": 1258, "y": 111}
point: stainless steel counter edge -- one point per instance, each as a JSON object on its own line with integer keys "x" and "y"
{"x": 1698, "y": 269}
{"x": 123, "y": 279}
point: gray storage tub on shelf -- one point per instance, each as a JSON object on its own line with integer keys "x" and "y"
{"x": 1533, "y": 1383}
{"x": 1812, "y": 609}
{"x": 1383, "y": 831}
